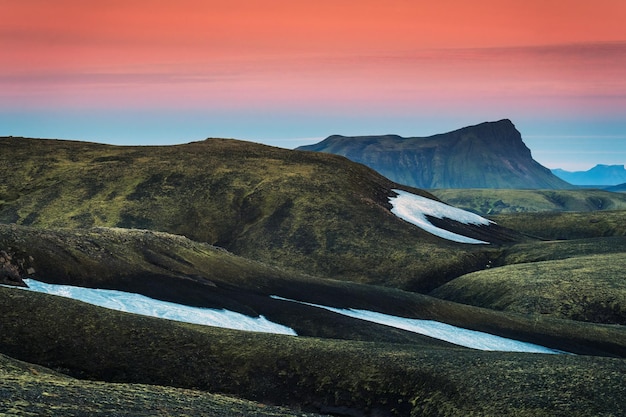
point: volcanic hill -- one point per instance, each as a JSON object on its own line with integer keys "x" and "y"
{"x": 487, "y": 155}
{"x": 306, "y": 226}
{"x": 305, "y": 211}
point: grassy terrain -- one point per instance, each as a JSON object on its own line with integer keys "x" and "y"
{"x": 501, "y": 201}
{"x": 586, "y": 288}
{"x": 31, "y": 390}
{"x": 566, "y": 226}
{"x": 305, "y": 226}
{"x": 177, "y": 269}
{"x": 340, "y": 377}
{"x": 304, "y": 211}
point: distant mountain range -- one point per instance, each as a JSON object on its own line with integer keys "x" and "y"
{"x": 621, "y": 188}
{"x": 487, "y": 155}
{"x": 598, "y": 175}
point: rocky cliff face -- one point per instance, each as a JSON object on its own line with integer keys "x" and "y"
{"x": 488, "y": 155}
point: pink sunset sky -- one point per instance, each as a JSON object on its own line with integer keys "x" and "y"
{"x": 289, "y": 73}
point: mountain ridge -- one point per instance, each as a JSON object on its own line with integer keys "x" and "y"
{"x": 599, "y": 175}
{"x": 486, "y": 155}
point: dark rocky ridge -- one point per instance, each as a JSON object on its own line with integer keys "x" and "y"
{"x": 487, "y": 155}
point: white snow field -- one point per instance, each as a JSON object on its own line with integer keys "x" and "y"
{"x": 139, "y": 304}
{"x": 442, "y": 331}
{"x": 414, "y": 209}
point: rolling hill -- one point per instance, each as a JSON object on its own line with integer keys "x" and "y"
{"x": 306, "y": 211}
{"x": 487, "y": 155}
{"x": 336, "y": 364}
{"x": 168, "y": 365}
{"x": 492, "y": 202}
{"x": 310, "y": 241}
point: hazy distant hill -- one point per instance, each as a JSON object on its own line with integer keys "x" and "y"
{"x": 488, "y": 155}
{"x": 598, "y": 175}
{"x": 620, "y": 188}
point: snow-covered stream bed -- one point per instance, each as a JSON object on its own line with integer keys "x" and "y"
{"x": 442, "y": 331}
{"x": 139, "y": 304}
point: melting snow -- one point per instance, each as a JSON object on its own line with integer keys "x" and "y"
{"x": 442, "y": 331}
{"x": 139, "y": 304}
{"x": 414, "y": 209}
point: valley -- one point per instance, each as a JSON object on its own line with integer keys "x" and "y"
{"x": 245, "y": 228}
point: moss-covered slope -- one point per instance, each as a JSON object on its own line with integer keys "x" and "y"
{"x": 31, "y": 390}
{"x": 566, "y": 226}
{"x": 492, "y": 202}
{"x": 306, "y": 211}
{"x": 339, "y": 377}
{"x": 174, "y": 268}
{"x": 586, "y": 288}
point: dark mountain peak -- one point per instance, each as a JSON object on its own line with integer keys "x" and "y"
{"x": 502, "y": 137}
{"x": 484, "y": 127}
{"x": 486, "y": 155}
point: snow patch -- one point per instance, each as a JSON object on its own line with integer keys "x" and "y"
{"x": 414, "y": 209}
{"x": 442, "y": 331}
{"x": 139, "y": 304}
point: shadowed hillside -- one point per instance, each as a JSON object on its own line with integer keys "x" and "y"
{"x": 346, "y": 378}
{"x": 621, "y": 188}
{"x": 173, "y": 268}
{"x": 488, "y": 155}
{"x": 28, "y": 389}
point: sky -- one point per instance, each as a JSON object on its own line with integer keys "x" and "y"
{"x": 290, "y": 73}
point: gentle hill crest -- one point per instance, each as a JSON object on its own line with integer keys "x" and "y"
{"x": 301, "y": 210}
{"x": 487, "y": 155}
{"x": 491, "y": 202}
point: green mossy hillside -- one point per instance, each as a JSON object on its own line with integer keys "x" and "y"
{"x": 566, "y": 226}
{"x": 174, "y": 268}
{"x": 339, "y": 377}
{"x": 305, "y": 211}
{"x": 585, "y": 288}
{"x": 32, "y": 390}
{"x": 489, "y": 202}
{"x": 227, "y": 224}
